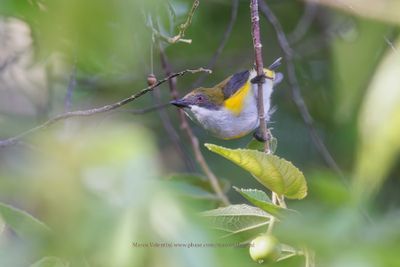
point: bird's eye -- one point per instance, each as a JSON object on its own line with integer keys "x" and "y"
{"x": 200, "y": 98}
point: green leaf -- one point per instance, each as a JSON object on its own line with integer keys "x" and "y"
{"x": 276, "y": 174}
{"x": 22, "y": 222}
{"x": 261, "y": 200}
{"x": 236, "y": 219}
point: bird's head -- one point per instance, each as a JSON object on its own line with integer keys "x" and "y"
{"x": 205, "y": 98}
{"x": 201, "y": 104}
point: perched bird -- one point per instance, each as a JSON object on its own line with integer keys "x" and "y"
{"x": 229, "y": 109}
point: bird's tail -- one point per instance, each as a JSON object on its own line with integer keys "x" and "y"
{"x": 275, "y": 64}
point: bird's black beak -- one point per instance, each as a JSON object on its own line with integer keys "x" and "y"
{"x": 180, "y": 103}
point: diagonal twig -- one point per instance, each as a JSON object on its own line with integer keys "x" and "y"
{"x": 90, "y": 112}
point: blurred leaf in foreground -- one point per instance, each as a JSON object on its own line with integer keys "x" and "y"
{"x": 98, "y": 189}
{"x": 379, "y": 126}
{"x": 22, "y": 222}
{"x": 343, "y": 237}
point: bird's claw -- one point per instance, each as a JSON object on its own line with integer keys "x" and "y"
{"x": 259, "y": 136}
{"x": 258, "y": 79}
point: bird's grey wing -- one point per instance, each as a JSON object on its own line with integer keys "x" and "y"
{"x": 235, "y": 83}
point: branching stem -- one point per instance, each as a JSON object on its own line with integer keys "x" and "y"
{"x": 183, "y": 27}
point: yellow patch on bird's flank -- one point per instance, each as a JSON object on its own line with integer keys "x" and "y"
{"x": 236, "y": 102}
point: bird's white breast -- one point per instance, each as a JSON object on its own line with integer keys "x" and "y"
{"x": 224, "y": 124}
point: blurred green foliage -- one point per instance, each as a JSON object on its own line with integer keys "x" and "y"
{"x": 97, "y": 185}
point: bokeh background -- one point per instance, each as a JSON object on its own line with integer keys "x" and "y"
{"x": 98, "y": 184}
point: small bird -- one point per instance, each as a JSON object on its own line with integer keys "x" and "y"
{"x": 229, "y": 109}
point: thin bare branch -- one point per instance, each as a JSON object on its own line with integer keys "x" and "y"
{"x": 255, "y": 32}
{"x": 295, "y": 88}
{"x": 192, "y": 137}
{"x": 183, "y": 27}
{"x": 225, "y": 38}
{"x": 90, "y": 112}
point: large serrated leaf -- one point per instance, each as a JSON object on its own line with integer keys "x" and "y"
{"x": 261, "y": 200}
{"x": 276, "y": 174}
{"x": 22, "y": 222}
{"x": 236, "y": 219}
